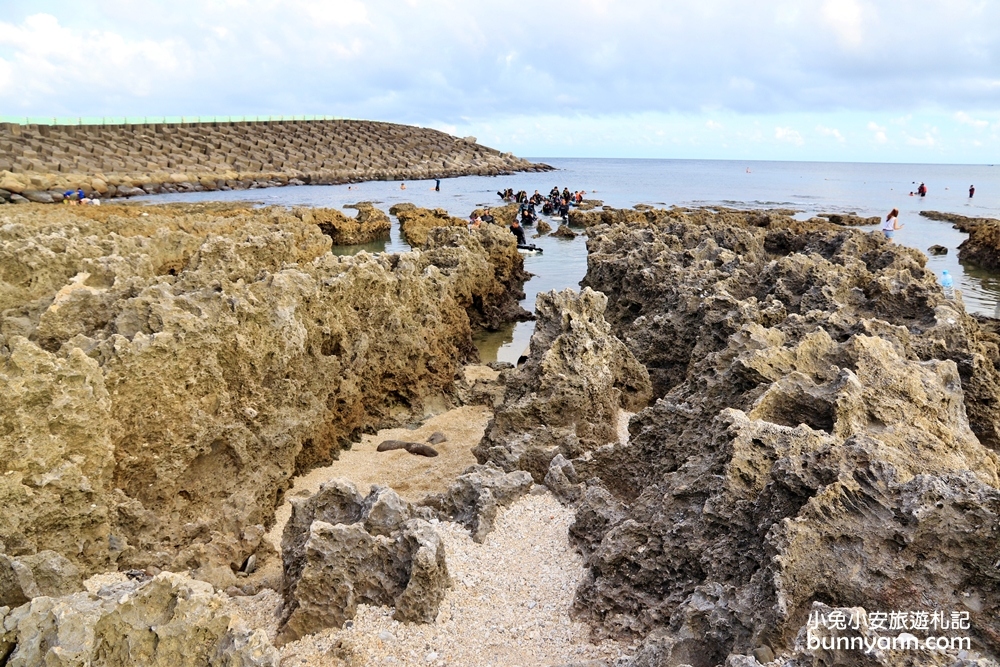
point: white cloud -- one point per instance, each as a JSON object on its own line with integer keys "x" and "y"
{"x": 926, "y": 141}
{"x": 831, "y": 132}
{"x": 878, "y": 132}
{"x": 844, "y": 18}
{"x": 789, "y": 135}
{"x": 713, "y": 125}
{"x": 966, "y": 119}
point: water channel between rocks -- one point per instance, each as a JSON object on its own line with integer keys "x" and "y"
{"x": 833, "y": 188}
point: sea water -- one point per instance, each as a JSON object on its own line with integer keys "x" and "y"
{"x": 807, "y": 187}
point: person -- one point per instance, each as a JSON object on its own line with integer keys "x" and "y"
{"x": 564, "y": 210}
{"x": 518, "y": 232}
{"x": 476, "y": 222}
{"x": 402, "y": 186}
{"x": 972, "y": 191}
{"x": 536, "y": 198}
{"x": 487, "y": 217}
{"x": 80, "y": 196}
{"x": 891, "y": 224}
{"x": 437, "y": 185}
{"x": 526, "y": 218}
{"x": 70, "y": 197}
{"x": 922, "y": 190}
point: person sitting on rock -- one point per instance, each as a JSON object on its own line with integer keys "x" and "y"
{"x": 486, "y": 217}
{"x": 518, "y": 232}
{"x": 69, "y": 197}
{"x": 80, "y": 196}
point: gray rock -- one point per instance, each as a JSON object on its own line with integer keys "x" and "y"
{"x": 375, "y": 553}
{"x": 567, "y": 397}
{"x": 937, "y": 250}
{"x": 473, "y": 499}
{"x": 17, "y": 199}
{"x": 37, "y": 196}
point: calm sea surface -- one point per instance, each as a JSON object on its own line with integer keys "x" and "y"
{"x": 809, "y": 187}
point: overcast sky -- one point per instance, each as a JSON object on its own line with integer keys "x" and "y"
{"x": 854, "y": 80}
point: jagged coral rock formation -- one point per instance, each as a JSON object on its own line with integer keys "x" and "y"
{"x": 170, "y": 621}
{"x": 982, "y": 248}
{"x": 815, "y": 439}
{"x": 155, "y": 409}
{"x": 341, "y": 549}
{"x": 416, "y": 223}
{"x": 369, "y": 225}
{"x": 566, "y": 398}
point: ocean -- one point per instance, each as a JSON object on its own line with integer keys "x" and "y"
{"x": 808, "y": 187}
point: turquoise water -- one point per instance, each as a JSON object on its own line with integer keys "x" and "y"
{"x": 810, "y": 187}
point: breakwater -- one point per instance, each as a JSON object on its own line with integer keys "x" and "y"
{"x": 40, "y": 162}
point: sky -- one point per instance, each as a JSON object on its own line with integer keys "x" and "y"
{"x": 841, "y": 80}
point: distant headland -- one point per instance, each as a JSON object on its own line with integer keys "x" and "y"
{"x": 41, "y": 162}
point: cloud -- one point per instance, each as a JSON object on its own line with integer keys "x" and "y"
{"x": 926, "y": 141}
{"x": 713, "y": 125}
{"x": 966, "y": 119}
{"x": 878, "y": 132}
{"x": 844, "y": 18}
{"x": 789, "y": 135}
{"x": 831, "y": 132}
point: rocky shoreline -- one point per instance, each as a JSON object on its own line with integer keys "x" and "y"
{"x": 982, "y": 248}
{"x": 815, "y": 431}
{"x": 38, "y": 163}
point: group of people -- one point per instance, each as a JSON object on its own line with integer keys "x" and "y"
{"x": 557, "y": 203}
{"x": 78, "y": 196}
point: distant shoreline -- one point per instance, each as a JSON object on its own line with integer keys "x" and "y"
{"x": 39, "y": 163}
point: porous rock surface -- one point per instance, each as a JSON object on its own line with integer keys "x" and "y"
{"x": 164, "y": 371}
{"x": 370, "y": 224}
{"x": 341, "y": 549}
{"x": 567, "y": 397}
{"x": 982, "y": 248}
{"x": 169, "y": 621}
{"x": 415, "y": 223}
{"x": 815, "y": 439}
{"x": 44, "y": 573}
{"x": 39, "y": 162}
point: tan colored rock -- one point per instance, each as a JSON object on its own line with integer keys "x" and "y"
{"x": 200, "y": 356}
{"x": 31, "y": 576}
{"x": 371, "y": 224}
{"x": 567, "y": 397}
{"x": 170, "y": 621}
{"x": 416, "y": 223}
{"x": 55, "y": 415}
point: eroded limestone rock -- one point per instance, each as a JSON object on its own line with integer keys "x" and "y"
{"x": 341, "y": 550}
{"x": 820, "y": 436}
{"x": 369, "y": 225}
{"x": 164, "y": 371}
{"x": 566, "y": 398}
{"x": 169, "y": 621}
{"x": 415, "y": 223}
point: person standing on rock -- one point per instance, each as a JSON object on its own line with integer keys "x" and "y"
{"x": 891, "y": 224}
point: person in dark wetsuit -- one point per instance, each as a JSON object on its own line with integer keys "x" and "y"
{"x": 564, "y": 210}
{"x": 566, "y": 195}
{"x": 527, "y": 218}
{"x": 486, "y": 217}
{"x": 972, "y": 191}
{"x": 518, "y": 232}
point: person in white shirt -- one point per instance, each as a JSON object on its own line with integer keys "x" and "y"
{"x": 891, "y": 224}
